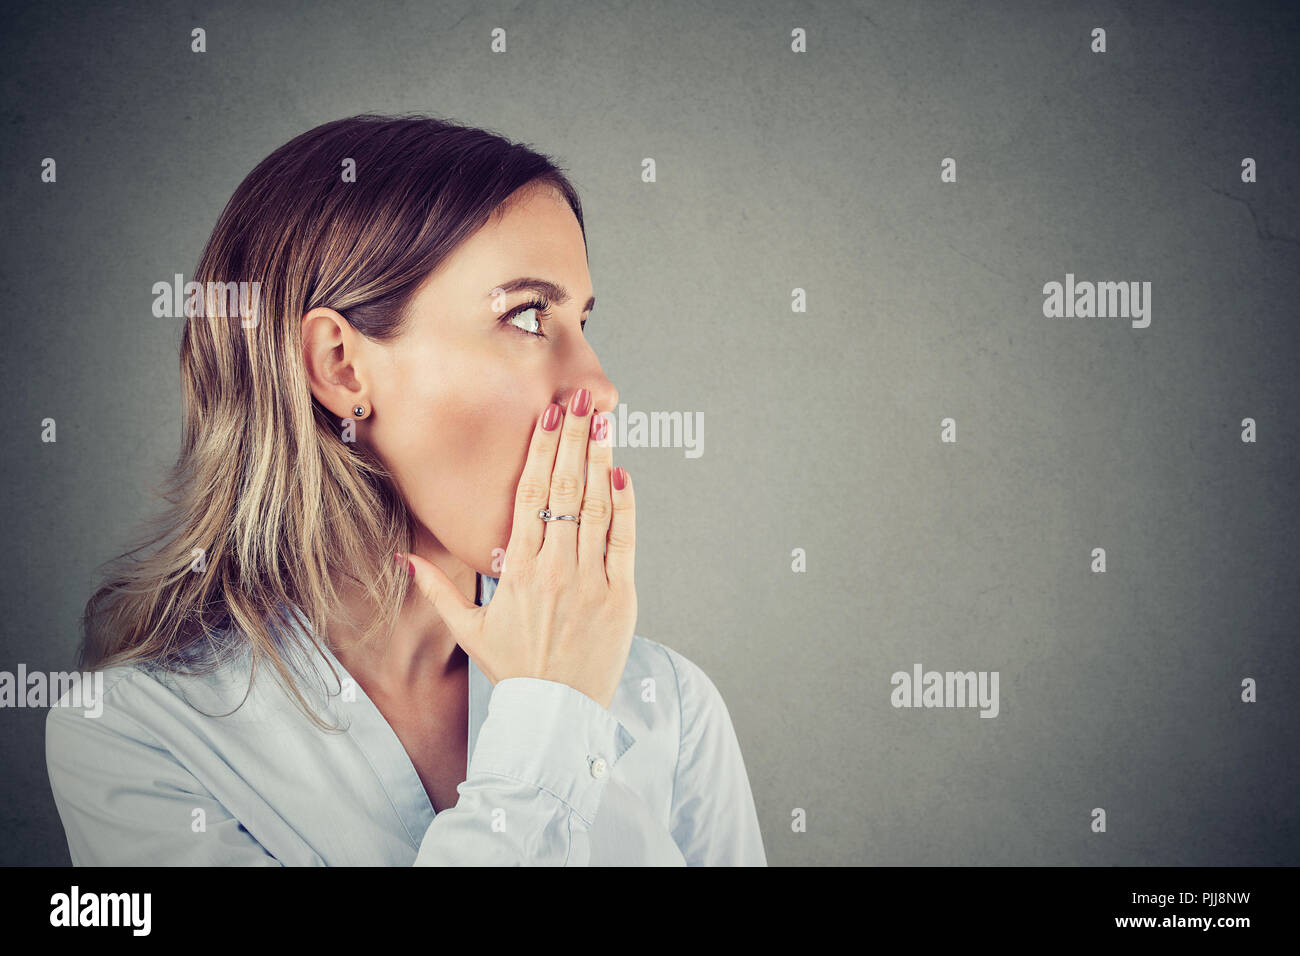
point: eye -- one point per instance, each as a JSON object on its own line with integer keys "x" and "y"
{"x": 536, "y": 306}
{"x": 531, "y": 324}
{"x": 536, "y": 321}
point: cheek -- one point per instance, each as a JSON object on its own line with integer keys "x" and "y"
{"x": 457, "y": 442}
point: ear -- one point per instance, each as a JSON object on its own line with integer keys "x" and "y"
{"x": 332, "y": 354}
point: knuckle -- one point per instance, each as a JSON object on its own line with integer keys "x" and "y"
{"x": 577, "y": 435}
{"x": 549, "y": 575}
{"x": 532, "y": 492}
{"x": 595, "y": 509}
{"x": 522, "y": 574}
{"x": 564, "y": 486}
{"x": 621, "y": 540}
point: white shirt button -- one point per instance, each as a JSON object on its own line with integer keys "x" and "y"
{"x": 598, "y": 767}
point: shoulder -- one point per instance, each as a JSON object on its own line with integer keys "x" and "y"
{"x": 675, "y": 673}
{"x": 142, "y": 701}
{"x": 97, "y": 700}
{"x": 105, "y": 726}
{"x": 712, "y": 815}
{"x": 140, "y": 722}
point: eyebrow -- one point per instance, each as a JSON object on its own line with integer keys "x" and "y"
{"x": 552, "y": 290}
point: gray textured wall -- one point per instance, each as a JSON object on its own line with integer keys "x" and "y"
{"x": 779, "y": 170}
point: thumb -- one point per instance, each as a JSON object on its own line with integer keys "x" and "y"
{"x": 446, "y": 598}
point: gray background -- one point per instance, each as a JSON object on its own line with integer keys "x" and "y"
{"x": 778, "y": 170}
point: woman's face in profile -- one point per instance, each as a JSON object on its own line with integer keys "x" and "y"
{"x": 455, "y": 397}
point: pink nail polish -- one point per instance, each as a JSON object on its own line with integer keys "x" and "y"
{"x": 551, "y": 417}
{"x": 620, "y": 479}
{"x": 410, "y": 568}
{"x": 599, "y": 427}
{"x": 581, "y": 402}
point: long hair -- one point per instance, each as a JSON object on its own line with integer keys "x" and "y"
{"x": 266, "y": 502}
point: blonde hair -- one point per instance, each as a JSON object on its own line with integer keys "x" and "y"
{"x": 264, "y": 489}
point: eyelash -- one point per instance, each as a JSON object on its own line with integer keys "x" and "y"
{"x": 543, "y": 306}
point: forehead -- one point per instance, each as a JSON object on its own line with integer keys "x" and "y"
{"x": 534, "y": 233}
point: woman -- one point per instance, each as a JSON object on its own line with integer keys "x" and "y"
{"x": 410, "y": 379}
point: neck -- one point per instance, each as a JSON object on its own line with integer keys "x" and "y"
{"x": 421, "y": 649}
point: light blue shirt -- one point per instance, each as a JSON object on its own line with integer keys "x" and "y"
{"x": 553, "y": 778}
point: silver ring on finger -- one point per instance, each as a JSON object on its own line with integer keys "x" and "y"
{"x": 546, "y": 515}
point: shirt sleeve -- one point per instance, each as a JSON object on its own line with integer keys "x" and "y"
{"x": 539, "y": 770}
{"x": 713, "y": 819}
{"x": 540, "y": 767}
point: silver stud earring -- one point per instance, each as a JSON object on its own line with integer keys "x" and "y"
{"x": 359, "y": 411}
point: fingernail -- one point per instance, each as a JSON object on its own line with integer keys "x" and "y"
{"x": 410, "y": 568}
{"x": 551, "y": 417}
{"x": 581, "y": 402}
{"x": 599, "y": 427}
{"x": 620, "y": 479}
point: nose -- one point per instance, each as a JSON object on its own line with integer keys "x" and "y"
{"x": 604, "y": 393}
{"x": 583, "y": 371}
{"x": 604, "y": 398}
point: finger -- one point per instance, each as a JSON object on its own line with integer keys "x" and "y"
{"x": 620, "y": 548}
{"x": 569, "y": 476}
{"x": 534, "y": 489}
{"x": 460, "y": 614}
{"x": 594, "y": 527}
